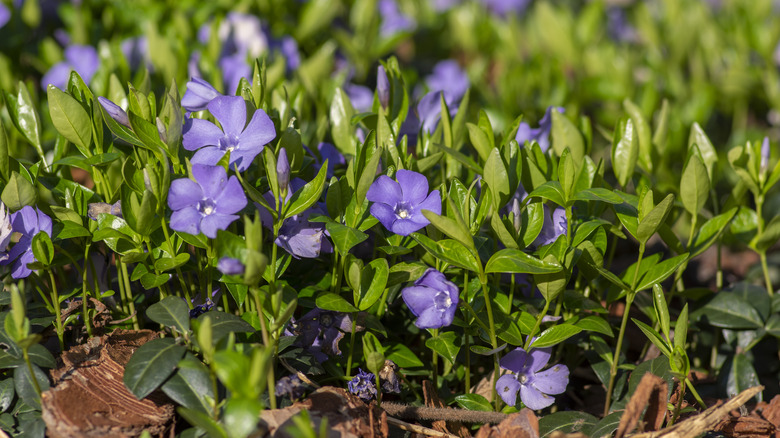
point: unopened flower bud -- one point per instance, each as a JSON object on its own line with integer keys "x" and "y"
{"x": 115, "y": 111}
{"x": 382, "y": 87}
{"x": 283, "y": 170}
{"x": 765, "y": 154}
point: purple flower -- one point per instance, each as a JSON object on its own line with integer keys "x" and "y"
{"x": 449, "y": 78}
{"x": 94, "y": 209}
{"x": 234, "y": 68}
{"x": 534, "y": 386}
{"x": 765, "y": 154}
{"x": 83, "y": 59}
{"x": 198, "y": 95}
{"x": 230, "y": 266}
{"x": 382, "y": 86}
{"x": 319, "y": 332}
{"x": 429, "y": 109}
{"x": 329, "y": 152}
{"x": 363, "y": 385}
{"x": 554, "y": 226}
{"x": 28, "y": 221}
{"x": 289, "y": 49}
{"x": 540, "y": 134}
{"x": 208, "y": 204}
{"x": 5, "y": 14}
{"x": 115, "y": 111}
{"x": 290, "y": 385}
{"x": 504, "y": 7}
{"x": 433, "y": 300}
{"x": 136, "y": 51}
{"x": 283, "y": 171}
{"x": 200, "y": 309}
{"x": 299, "y": 237}
{"x": 5, "y": 231}
{"x": 243, "y": 34}
{"x": 399, "y": 205}
{"x": 243, "y": 142}
{"x": 393, "y": 20}
{"x": 362, "y": 98}
{"x": 618, "y": 26}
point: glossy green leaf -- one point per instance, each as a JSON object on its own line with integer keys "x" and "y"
{"x": 654, "y": 337}
{"x": 566, "y": 422}
{"x": 662, "y": 310}
{"x": 7, "y": 393}
{"x": 709, "y": 155}
{"x": 450, "y": 251}
{"x": 518, "y": 262}
{"x": 770, "y": 236}
{"x": 43, "y": 249}
{"x": 170, "y": 312}
{"x": 308, "y": 195}
{"x": 70, "y": 119}
{"x": 19, "y": 192}
{"x": 403, "y": 356}
{"x": 625, "y": 150}
{"x": 223, "y": 324}
{"x": 191, "y": 385}
{"x": 654, "y": 218}
{"x": 151, "y": 365}
{"x": 551, "y": 190}
{"x": 728, "y": 310}
{"x": 203, "y": 422}
{"x": 737, "y": 375}
{"x": 694, "y": 185}
{"x": 661, "y": 271}
{"x": 564, "y": 134}
{"x": 711, "y": 231}
{"x": 473, "y": 402}
{"x": 496, "y": 177}
{"x": 598, "y": 194}
{"x": 450, "y": 227}
{"x": 373, "y": 280}
{"x": 343, "y": 237}
{"x": 643, "y": 133}
{"x": 24, "y": 115}
{"x": 25, "y": 388}
{"x": 596, "y": 324}
{"x": 445, "y": 345}
{"x": 555, "y": 335}
{"x": 334, "y": 302}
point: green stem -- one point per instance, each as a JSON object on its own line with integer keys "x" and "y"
{"x": 129, "y": 292}
{"x": 695, "y": 394}
{"x": 84, "y": 295}
{"x": 32, "y": 373}
{"x": 466, "y": 342}
{"x": 762, "y": 254}
{"x": 348, "y": 369}
{"x": 538, "y": 323}
{"x": 55, "y": 301}
{"x": 182, "y": 284}
{"x": 493, "y": 341}
{"x": 767, "y": 278}
{"x": 435, "y": 363}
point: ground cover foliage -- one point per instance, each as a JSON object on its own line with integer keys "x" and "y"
{"x": 250, "y": 212}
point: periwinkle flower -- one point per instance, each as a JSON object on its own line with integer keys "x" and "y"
{"x": 505, "y": 7}
{"x": 334, "y": 157}
{"x": 234, "y": 68}
{"x": 765, "y": 154}
{"x": 382, "y": 86}
{"x": 399, "y": 205}
{"x": 533, "y": 384}
{"x": 94, "y": 209}
{"x": 136, "y": 52}
{"x": 5, "y": 14}
{"x": 618, "y": 26}
{"x": 283, "y": 170}
{"x": 115, "y": 111}
{"x": 198, "y": 95}
{"x": 363, "y": 385}
{"x": 230, "y": 266}
{"x": 290, "y": 385}
{"x": 200, "y": 309}
{"x": 433, "y": 300}
{"x": 554, "y": 226}
{"x": 28, "y": 221}
{"x": 289, "y": 49}
{"x": 208, "y": 204}
{"x": 5, "y": 231}
{"x": 83, "y": 59}
{"x": 362, "y": 98}
{"x": 244, "y": 141}
{"x": 450, "y": 79}
{"x": 541, "y": 134}
{"x": 393, "y": 20}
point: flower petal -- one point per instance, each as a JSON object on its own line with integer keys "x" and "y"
{"x": 184, "y": 192}
{"x": 20, "y": 269}
{"x": 198, "y": 95}
{"x": 414, "y": 186}
{"x": 432, "y": 203}
{"x": 539, "y": 358}
{"x": 385, "y": 190}
{"x": 242, "y": 158}
{"x": 515, "y": 361}
{"x": 418, "y": 298}
{"x": 384, "y": 213}
{"x": 212, "y": 179}
{"x": 208, "y": 156}
{"x": 44, "y": 222}
{"x": 507, "y": 387}
{"x": 25, "y": 221}
{"x": 232, "y": 199}
{"x": 553, "y": 380}
{"x": 405, "y": 227}
{"x": 230, "y": 111}
{"x": 258, "y": 132}
{"x": 187, "y": 220}
{"x": 198, "y": 133}
{"x": 534, "y": 399}
{"x": 429, "y": 318}
{"x": 213, "y": 222}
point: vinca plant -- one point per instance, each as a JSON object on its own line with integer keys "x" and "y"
{"x": 495, "y": 205}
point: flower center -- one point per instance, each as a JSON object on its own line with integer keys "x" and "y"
{"x": 522, "y": 378}
{"x": 442, "y": 301}
{"x": 207, "y": 206}
{"x": 326, "y": 320}
{"x": 228, "y": 142}
{"x": 403, "y": 210}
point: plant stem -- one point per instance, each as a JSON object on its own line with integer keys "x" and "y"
{"x": 55, "y": 302}
{"x": 539, "y": 318}
{"x": 183, "y": 285}
{"x": 84, "y": 295}
{"x": 129, "y": 292}
{"x": 695, "y": 393}
{"x": 34, "y": 379}
{"x": 493, "y": 341}
{"x": 762, "y": 254}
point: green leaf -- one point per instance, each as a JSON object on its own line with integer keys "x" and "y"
{"x": 167, "y": 263}
{"x": 450, "y": 251}
{"x": 170, "y": 312}
{"x": 308, "y": 195}
{"x": 403, "y": 356}
{"x": 645, "y": 141}
{"x": 552, "y": 191}
{"x": 151, "y": 365}
{"x": 223, "y": 324}
{"x": 334, "y": 302}
{"x": 625, "y": 150}
{"x": 711, "y": 231}
{"x": 451, "y": 228}
{"x": 729, "y": 310}
{"x": 6, "y": 394}
{"x": 598, "y": 194}
{"x": 24, "y": 116}
{"x": 473, "y": 402}
{"x": 555, "y": 335}
{"x": 566, "y": 422}
{"x": 5, "y": 169}
{"x": 658, "y": 366}
{"x": 661, "y": 271}
{"x": 564, "y": 135}
{"x": 661, "y": 309}
{"x": 444, "y": 345}
{"x": 203, "y": 422}
{"x": 368, "y": 175}
{"x": 496, "y": 177}
{"x": 654, "y": 337}
{"x": 479, "y": 140}
{"x": 769, "y": 237}
{"x": 19, "y": 192}
{"x": 595, "y": 323}
{"x": 373, "y": 280}
{"x": 43, "y": 249}
{"x": 190, "y": 385}
{"x": 147, "y": 133}
{"x": 737, "y": 375}
{"x": 344, "y": 238}
{"x": 607, "y": 425}
{"x": 70, "y": 119}
{"x": 694, "y": 185}
{"x": 708, "y": 153}
{"x": 518, "y": 262}
{"x": 25, "y": 388}
{"x": 681, "y": 329}
{"x": 654, "y": 218}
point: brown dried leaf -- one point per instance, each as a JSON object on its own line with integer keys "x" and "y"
{"x": 650, "y": 393}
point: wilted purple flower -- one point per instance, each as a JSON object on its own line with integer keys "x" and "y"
{"x": 83, "y": 59}
{"x": 554, "y": 225}
{"x": 449, "y": 78}
{"x": 200, "y": 309}
{"x": 362, "y": 98}
{"x": 534, "y": 386}
{"x": 5, "y": 231}
{"x": 363, "y": 385}
{"x": 399, "y": 205}
{"x": 5, "y": 14}
{"x": 319, "y": 332}
{"x": 540, "y": 134}
{"x": 115, "y": 111}
{"x": 332, "y": 155}
{"x": 198, "y": 95}
{"x": 504, "y": 7}
{"x": 765, "y": 154}
{"x": 382, "y": 86}
{"x": 208, "y": 204}
{"x": 299, "y": 237}
{"x": 290, "y": 385}
{"x": 96, "y": 208}
{"x": 283, "y": 171}
{"x": 243, "y": 142}
{"x": 433, "y": 300}
{"x": 28, "y": 221}
{"x": 393, "y": 20}
{"x": 230, "y": 266}
{"x": 136, "y": 52}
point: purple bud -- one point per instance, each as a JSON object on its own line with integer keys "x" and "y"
{"x": 115, "y": 111}
{"x": 230, "y": 266}
{"x": 198, "y": 95}
{"x": 765, "y": 154}
{"x": 283, "y": 170}
{"x": 382, "y": 87}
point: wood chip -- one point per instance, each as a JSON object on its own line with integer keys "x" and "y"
{"x": 650, "y": 394}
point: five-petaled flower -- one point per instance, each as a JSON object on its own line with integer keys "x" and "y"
{"x": 243, "y": 142}
{"x": 433, "y": 300}
{"x": 534, "y": 385}
{"x": 83, "y": 59}
{"x": 28, "y": 221}
{"x": 208, "y": 204}
{"x": 399, "y": 205}
{"x": 554, "y": 226}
